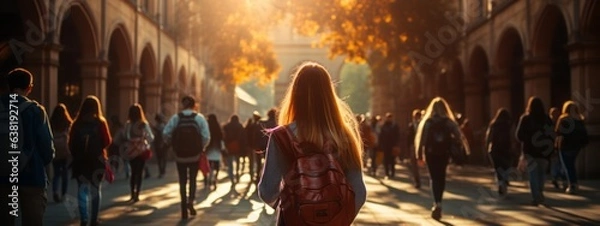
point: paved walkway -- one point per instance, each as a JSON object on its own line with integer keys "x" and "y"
{"x": 469, "y": 200}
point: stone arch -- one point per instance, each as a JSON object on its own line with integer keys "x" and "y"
{"x": 148, "y": 73}
{"x": 169, "y": 99}
{"x": 509, "y": 72}
{"x": 477, "y": 104}
{"x": 549, "y": 44}
{"x": 591, "y": 20}
{"x": 119, "y": 76}
{"x": 84, "y": 23}
{"x": 78, "y": 58}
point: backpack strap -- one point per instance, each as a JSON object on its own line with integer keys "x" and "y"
{"x": 285, "y": 140}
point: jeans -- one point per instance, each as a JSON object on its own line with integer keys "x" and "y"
{"x": 187, "y": 174}
{"x": 32, "y": 205}
{"x": 86, "y": 191}
{"x": 537, "y": 170}
{"x": 568, "y": 158}
{"x": 61, "y": 177}
{"x": 135, "y": 182}
{"x": 437, "y": 164}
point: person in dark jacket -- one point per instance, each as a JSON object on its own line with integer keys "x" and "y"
{"x": 88, "y": 139}
{"x": 412, "y": 130}
{"x": 498, "y": 144}
{"x": 159, "y": 145}
{"x": 572, "y": 136}
{"x": 536, "y": 134}
{"x": 37, "y": 152}
{"x": 388, "y": 140}
{"x": 433, "y": 140}
{"x": 233, "y": 134}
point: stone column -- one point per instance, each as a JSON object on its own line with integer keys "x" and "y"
{"x": 170, "y": 101}
{"x": 43, "y": 64}
{"x": 538, "y": 72}
{"x": 585, "y": 66}
{"x": 128, "y": 90}
{"x": 93, "y": 78}
{"x": 153, "y": 99}
{"x": 499, "y": 84}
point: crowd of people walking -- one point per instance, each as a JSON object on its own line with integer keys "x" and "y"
{"x": 312, "y": 120}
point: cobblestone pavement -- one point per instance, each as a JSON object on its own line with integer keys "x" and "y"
{"x": 470, "y": 199}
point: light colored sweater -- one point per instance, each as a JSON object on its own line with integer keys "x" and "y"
{"x": 271, "y": 183}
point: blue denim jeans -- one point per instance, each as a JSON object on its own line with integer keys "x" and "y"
{"x": 537, "y": 170}
{"x": 86, "y": 191}
{"x": 60, "y": 183}
{"x": 567, "y": 158}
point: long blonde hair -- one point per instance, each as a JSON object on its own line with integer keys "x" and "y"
{"x": 571, "y": 109}
{"x": 320, "y": 114}
{"x": 438, "y": 107}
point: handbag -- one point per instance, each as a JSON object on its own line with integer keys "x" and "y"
{"x": 203, "y": 164}
{"x": 137, "y": 146}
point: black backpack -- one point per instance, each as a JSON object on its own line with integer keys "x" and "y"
{"x": 439, "y": 138}
{"x": 500, "y": 137}
{"x": 9, "y": 143}
{"x": 86, "y": 141}
{"x": 187, "y": 140}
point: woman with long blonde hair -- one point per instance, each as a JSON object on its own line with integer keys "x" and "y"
{"x": 313, "y": 114}
{"x": 436, "y": 134}
{"x": 571, "y": 137}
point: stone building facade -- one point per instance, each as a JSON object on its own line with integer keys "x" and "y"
{"x": 123, "y": 51}
{"x": 510, "y": 50}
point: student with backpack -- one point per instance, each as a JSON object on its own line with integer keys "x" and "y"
{"x": 27, "y": 121}
{"x": 437, "y": 135}
{"x": 136, "y": 138}
{"x": 88, "y": 139}
{"x": 536, "y": 134}
{"x": 572, "y": 136}
{"x": 411, "y": 133}
{"x": 498, "y": 144}
{"x": 387, "y": 141}
{"x": 187, "y": 132}
{"x": 233, "y": 136}
{"x": 316, "y": 126}
{"x": 61, "y": 123}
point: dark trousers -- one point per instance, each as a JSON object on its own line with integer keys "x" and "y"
{"x": 60, "y": 183}
{"x": 32, "y": 203}
{"x": 414, "y": 166}
{"x": 161, "y": 160}
{"x": 135, "y": 182}
{"x": 374, "y": 161}
{"x": 568, "y": 158}
{"x": 389, "y": 163}
{"x": 437, "y": 164}
{"x": 502, "y": 163}
{"x": 187, "y": 174}
{"x": 258, "y": 164}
